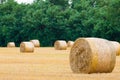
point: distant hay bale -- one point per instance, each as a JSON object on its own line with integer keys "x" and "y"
{"x": 92, "y": 55}
{"x": 26, "y": 47}
{"x": 60, "y": 45}
{"x": 70, "y": 43}
{"x": 117, "y": 47}
{"x": 11, "y": 44}
{"x": 35, "y": 42}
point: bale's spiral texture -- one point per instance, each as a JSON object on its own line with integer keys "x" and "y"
{"x": 92, "y": 55}
{"x": 60, "y": 45}
{"x": 35, "y": 42}
{"x": 26, "y": 47}
{"x": 117, "y": 47}
{"x": 11, "y": 44}
{"x": 70, "y": 43}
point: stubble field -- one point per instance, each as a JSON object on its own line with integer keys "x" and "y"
{"x": 45, "y": 63}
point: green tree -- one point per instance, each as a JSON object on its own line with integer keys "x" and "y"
{"x": 2, "y": 1}
{"x": 51, "y": 20}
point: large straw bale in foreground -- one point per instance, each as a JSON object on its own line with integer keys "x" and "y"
{"x": 35, "y": 42}
{"x": 70, "y": 43}
{"x": 60, "y": 45}
{"x": 92, "y": 55}
{"x": 117, "y": 47}
{"x": 26, "y": 47}
{"x": 11, "y": 44}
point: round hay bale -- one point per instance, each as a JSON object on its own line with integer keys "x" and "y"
{"x": 11, "y": 44}
{"x": 26, "y": 47}
{"x": 35, "y": 42}
{"x": 117, "y": 47}
{"x": 60, "y": 45}
{"x": 70, "y": 43}
{"x": 92, "y": 55}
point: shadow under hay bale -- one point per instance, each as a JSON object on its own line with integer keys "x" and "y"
{"x": 92, "y": 55}
{"x": 26, "y": 47}
{"x": 60, "y": 45}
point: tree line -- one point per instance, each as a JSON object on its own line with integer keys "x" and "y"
{"x": 52, "y": 20}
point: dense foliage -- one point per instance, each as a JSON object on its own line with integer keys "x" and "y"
{"x": 51, "y": 20}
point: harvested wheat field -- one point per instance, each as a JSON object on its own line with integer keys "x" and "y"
{"x": 45, "y": 64}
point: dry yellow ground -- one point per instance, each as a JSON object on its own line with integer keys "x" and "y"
{"x": 45, "y": 64}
